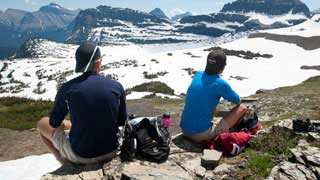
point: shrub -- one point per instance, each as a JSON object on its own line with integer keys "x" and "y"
{"x": 155, "y": 87}
{"x": 276, "y": 143}
{"x": 258, "y": 166}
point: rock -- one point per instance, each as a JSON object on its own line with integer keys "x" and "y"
{"x": 76, "y": 173}
{"x": 165, "y": 171}
{"x": 287, "y": 123}
{"x": 312, "y": 155}
{"x": 287, "y": 170}
{"x": 261, "y": 91}
{"x": 306, "y": 164}
{"x": 316, "y": 171}
{"x": 223, "y": 168}
{"x": 297, "y": 155}
{"x": 303, "y": 143}
{"x": 314, "y": 136}
{"x": 210, "y": 158}
{"x": 221, "y": 110}
{"x": 308, "y": 173}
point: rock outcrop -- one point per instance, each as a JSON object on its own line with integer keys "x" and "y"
{"x": 236, "y": 17}
{"x": 271, "y": 7}
{"x": 184, "y": 163}
{"x": 305, "y": 164}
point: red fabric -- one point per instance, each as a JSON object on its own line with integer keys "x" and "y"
{"x": 229, "y": 143}
{"x": 255, "y": 130}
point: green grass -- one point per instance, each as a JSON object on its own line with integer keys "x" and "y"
{"x": 22, "y": 113}
{"x": 276, "y": 143}
{"x": 259, "y": 166}
{"x": 267, "y": 150}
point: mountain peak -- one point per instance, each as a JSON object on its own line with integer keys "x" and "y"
{"x": 55, "y": 5}
{"x": 56, "y": 9}
{"x": 159, "y": 13}
{"x": 270, "y": 7}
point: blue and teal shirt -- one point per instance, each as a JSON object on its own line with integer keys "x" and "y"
{"x": 202, "y": 97}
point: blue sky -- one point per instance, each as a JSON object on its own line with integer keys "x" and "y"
{"x": 170, "y": 7}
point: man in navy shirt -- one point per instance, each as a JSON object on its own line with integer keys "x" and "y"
{"x": 97, "y": 108}
{"x": 203, "y": 95}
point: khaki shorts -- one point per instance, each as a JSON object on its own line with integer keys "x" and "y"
{"x": 214, "y": 130}
{"x": 61, "y": 141}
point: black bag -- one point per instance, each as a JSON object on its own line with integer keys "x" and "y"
{"x": 305, "y": 125}
{"x": 152, "y": 140}
{"x": 129, "y": 143}
{"x": 249, "y": 120}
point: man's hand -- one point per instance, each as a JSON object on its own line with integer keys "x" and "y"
{"x": 65, "y": 125}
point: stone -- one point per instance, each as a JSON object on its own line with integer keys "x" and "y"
{"x": 164, "y": 171}
{"x": 221, "y": 110}
{"x": 308, "y": 173}
{"x": 314, "y": 136}
{"x": 210, "y": 158}
{"x": 312, "y": 155}
{"x": 76, "y": 173}
{"x": 291, "y": 171}
{"x": 297, "y": 155}
{"x": 316, "y": 171}
{"x": 223, "y": 168}
{"x": 261, "y": 91}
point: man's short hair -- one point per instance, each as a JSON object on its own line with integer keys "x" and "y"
{"x": 216, "y": 61}
{"x": 86, "y": 55}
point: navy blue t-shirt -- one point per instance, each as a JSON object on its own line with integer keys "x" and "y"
{"x": 97, "y": 107}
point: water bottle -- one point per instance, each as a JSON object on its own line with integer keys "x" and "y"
{"x": 166, "y": 119}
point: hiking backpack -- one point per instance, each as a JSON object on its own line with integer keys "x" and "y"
{"x": 145, "y": 137}
{"x": 249, "y": 120}
{"x": 305, "y": 125}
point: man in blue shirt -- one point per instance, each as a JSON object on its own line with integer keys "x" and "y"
{"x": 96, "y": 106}
{"x": 203, "y": 96}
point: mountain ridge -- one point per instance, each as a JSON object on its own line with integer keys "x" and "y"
{"x": 159, "y": 13}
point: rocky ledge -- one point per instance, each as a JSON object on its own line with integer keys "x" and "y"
{"x": 185, "y": 163}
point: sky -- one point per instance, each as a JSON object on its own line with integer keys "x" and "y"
{"x": 170, "y": 7}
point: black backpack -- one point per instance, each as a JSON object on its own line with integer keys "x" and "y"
{"x": 148, "y": 139}
{"x": 249, "y": 120}
{"x": 305, "y": 125}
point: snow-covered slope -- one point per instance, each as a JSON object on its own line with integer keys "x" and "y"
{"x": 54, "y": 63}
{"x": 306, "y": 29}
{"x": 28, "y": 168}
{"x": 174, "y": 65}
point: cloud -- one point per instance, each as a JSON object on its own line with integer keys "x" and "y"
{"x": 32, "y": 2}
{"x": 176, "y": 11}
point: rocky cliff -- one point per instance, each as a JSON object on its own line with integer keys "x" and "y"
{"x": 108, "y": 25}
{"x": 270, "y": 7}
{"x": 51, "y": 21}
{"x": 246, "y": 15}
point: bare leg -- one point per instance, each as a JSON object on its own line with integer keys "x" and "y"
{"x": 46, "y": 135}
{"x": 233, "y": 117}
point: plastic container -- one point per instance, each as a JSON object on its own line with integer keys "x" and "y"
{"x": 166, "y": 119}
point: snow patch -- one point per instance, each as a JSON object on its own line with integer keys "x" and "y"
{"x": 28, "y": 168}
